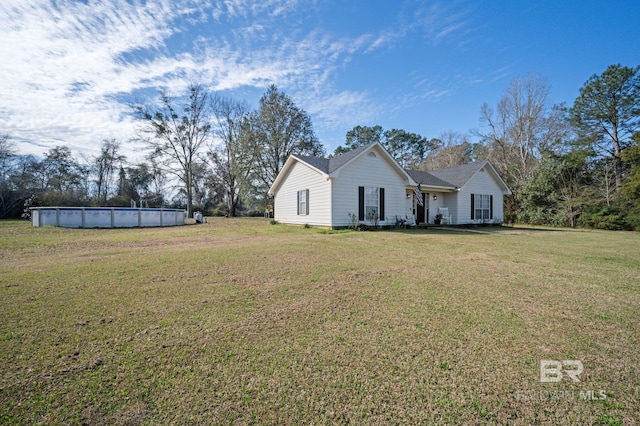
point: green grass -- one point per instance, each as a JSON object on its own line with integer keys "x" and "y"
{"x": 238, "y": 321}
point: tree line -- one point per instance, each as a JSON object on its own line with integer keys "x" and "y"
{"x": 566, "y": 166}
{"x": 575, "y": 165}
{"x": 205, "y": 152}
{"x": 570, "y": 166}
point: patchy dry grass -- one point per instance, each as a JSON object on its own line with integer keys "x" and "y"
{"x": 239, "y": 322}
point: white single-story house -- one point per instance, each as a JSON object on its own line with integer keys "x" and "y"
{"x": 367, "y": 185}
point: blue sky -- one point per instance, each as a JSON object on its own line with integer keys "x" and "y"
{"x": 71, "y": 68}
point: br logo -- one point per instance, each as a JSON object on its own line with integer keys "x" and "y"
{"x": 551, "y": 370}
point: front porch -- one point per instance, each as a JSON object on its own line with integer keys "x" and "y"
{"x": 430, "y": 206}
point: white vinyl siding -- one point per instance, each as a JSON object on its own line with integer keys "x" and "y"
{"x": 482, "y": 183}
{"x": 369, "y": 171}
{"x": 286, "y": 201}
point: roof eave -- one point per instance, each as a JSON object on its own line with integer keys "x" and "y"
{"x": 436, "y": 187}
{"x": 494, "y": 173}
{"x": 506, "y": 190}
{"x": 388, "y": 156}
{"x": 287, "y": 165}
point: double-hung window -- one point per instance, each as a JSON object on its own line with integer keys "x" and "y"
{"x": 303, "y": 202}
{"x": 481, "y": 207}
{"x": 370, "y": 203}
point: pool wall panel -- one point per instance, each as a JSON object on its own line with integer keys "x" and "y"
{"x": 105, "y": 217}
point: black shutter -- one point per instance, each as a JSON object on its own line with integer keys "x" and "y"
{"x": 473, "y": 207}
{"x": 381, "y": 203}
{"x": 298, "y": 203}
{"x": 307, "y": 204}
{"x": 361, "y": 203}
{"x": 491, "y": 207}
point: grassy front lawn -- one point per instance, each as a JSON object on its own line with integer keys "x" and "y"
{"x": 238, "y": 321}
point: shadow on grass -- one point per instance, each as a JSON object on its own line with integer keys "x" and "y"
{"x": 474, "y": 229}
{"x": 448, "y": 229}
{"x": 533, "y": 229}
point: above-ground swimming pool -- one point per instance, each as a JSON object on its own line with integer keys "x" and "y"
{"x": 105, "y": 217}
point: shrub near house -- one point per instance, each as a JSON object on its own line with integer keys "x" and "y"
{"x": 369, "y": 182}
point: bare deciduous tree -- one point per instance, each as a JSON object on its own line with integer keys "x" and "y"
{"x": 521, "y": 128}
{"x": 233, "y": 154}
{"x": 452, "y": 149}
{"x": 176, "y": 131}
{"x": 7, "y": 153}
{"x": 104, "y": 167}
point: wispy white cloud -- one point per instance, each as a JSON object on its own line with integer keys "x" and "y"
{"x": 345, "y": 107}
{"x": 500, "y": 73}
{"x": 67, "y": 64}
{"x": 431, "y": 87}
{"x": 251, "y": 8}
{"x": 72, "y": 65}
{"x": 440, "y": 21}
{"x": 71, "y": 62}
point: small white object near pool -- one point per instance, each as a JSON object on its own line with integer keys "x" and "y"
{"x": 105, "y": 217}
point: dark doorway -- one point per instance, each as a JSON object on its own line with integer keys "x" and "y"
{"x": 422, "y": 210}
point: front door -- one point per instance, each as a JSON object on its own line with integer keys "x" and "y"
{"x": 421, "y": 209}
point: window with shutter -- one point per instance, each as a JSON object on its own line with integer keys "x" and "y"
{"x": 482, "y": 208}
{"x": 473, "y": 203}
{"x": 307, "y": 196}
{"x": 370, "y": 203}
{"x": 491, "y": 207}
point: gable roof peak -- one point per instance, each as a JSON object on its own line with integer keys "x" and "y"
{"x": 340, "y": 160}
{"x": 457, "y": 176}
{"x": 330, "y": 165}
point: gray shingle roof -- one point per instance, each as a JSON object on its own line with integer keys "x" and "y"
{"x": 330, "y": 165}
{"x": 452, "y": 177}
{"x": 319, "y": 163}
{"x": 427, "y": 178}
{"x": 459, "y": 175}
